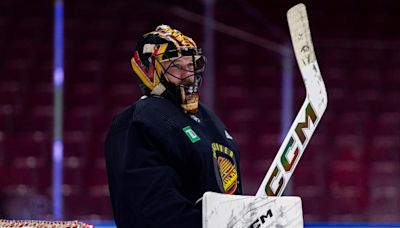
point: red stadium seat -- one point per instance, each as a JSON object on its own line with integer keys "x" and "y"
{"x": 348, "y": 172}
{"x": 121, "y": 95}
{"x": 82, "y": 94}
{"x": 27, "y": 150}
{"x": 266, "y": 145}
{"x": 10, "y": 93}
{"x": 19, "y": 178}
{"x": 232, "y": 98}
{"x": 96, "y": 150}
{"x": 383, "y": 148}
{"x": 77, "y": 206}
{"x": 231, "y": 74}
{"x": 41, "y": 119}
{"x": 75, "y": 144}
{"x": 8, "y": 117}
{"x": 348, "y": 185}
{"x": 41, "y": 94}
{"x": 80, "y": 118}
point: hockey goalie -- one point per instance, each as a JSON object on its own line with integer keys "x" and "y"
{"x": 171, "y": 161}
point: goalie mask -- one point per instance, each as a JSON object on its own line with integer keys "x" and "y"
{"x": 169, "y": 64}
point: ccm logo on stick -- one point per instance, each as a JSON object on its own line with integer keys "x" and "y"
{"x": 289, "y": 163}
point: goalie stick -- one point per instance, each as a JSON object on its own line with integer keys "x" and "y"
{"x": 310, "y": 113}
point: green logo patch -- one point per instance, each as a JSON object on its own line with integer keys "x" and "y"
{"x": 191, "y": 134}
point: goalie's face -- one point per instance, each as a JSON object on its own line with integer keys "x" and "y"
{"x": 180, "y": 71}
{"x": 185, "y": 74}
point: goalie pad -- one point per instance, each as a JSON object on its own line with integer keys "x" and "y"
{"x": 233, "y": 211}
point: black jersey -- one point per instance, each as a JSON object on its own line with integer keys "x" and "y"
{"x": 160, "y": 161}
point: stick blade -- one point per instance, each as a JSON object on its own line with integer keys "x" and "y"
{"x": 300, "y": 35}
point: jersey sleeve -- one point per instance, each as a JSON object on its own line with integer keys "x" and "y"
{"x": 150, "y": 190}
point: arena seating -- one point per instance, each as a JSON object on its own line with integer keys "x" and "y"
{"x": 351, "y": 164}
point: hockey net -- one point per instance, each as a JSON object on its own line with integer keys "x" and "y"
{"x": 43, "y": 224}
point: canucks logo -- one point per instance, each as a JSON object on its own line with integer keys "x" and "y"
{"x": 225, "y": 168}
